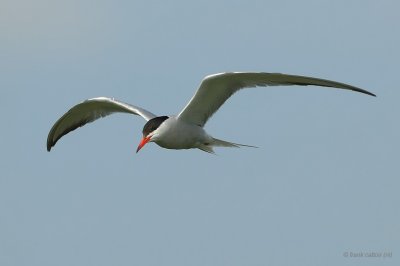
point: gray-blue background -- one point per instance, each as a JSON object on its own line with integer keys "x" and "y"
{"x": 324, "y": 181}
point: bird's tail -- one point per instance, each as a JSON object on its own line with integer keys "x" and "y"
{"x": 221, "y": 143}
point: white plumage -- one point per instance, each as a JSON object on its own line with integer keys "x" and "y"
{"x": 184, "y": 131}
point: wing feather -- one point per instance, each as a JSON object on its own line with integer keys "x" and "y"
{"x": 215, "y": 89}
{"x": 89, "y": 111}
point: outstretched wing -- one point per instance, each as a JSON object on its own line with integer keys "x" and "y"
{"x": 216, "y": 89}
{"x": 89, "y": 111}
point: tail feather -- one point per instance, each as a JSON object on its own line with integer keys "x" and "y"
{"x": 207, "y": 148}
{"x": 223, "y": 143}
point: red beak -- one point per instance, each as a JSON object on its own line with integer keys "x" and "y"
{"x": 142, "y": 143}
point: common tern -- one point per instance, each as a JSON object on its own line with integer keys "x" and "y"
{"x": 185, "y": 130}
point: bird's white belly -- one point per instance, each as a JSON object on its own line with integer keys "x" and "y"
{"x": 175, "y": 134}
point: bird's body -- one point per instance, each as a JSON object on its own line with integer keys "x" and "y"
{"x": 176, "y": 134}
{"x": 185, "y": 130}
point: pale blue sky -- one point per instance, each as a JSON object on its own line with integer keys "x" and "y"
{"x": 324, "y": 181}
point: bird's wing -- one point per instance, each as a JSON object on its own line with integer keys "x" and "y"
{"x": 89, "y": 111}
{"x": 216, "y": 89}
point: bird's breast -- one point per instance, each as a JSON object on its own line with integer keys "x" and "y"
{"x": 176, "y": 134}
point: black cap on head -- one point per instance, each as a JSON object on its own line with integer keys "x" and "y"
{"x": 153, "y": 124}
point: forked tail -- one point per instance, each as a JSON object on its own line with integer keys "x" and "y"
{"x": 221, "y": 143}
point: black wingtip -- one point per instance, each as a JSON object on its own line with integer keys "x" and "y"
{"x": 363, "y": 91}
{"x": 370, "y": 93}
{"x": 49, "y": 145}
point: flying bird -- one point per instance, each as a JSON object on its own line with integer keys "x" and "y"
{"x": 185, "y": 130}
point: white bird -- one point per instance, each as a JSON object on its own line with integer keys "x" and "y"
{"x": 185, "y": 130}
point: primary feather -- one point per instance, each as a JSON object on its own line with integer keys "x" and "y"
{"x": 89, "y": 111}
{"x": 215, "y": 89}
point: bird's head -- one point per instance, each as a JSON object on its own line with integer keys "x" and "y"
{"x": 149, "y": 130}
